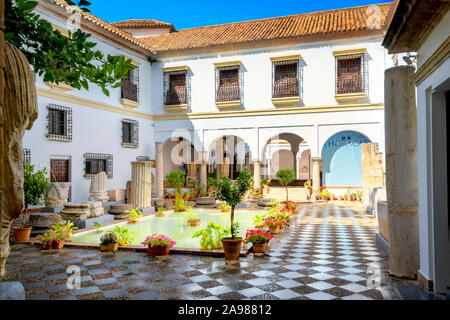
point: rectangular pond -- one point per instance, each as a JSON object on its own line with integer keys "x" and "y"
{"x": 174, "y": 226}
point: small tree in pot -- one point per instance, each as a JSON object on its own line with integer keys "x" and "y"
{"x": 232, "y": 194}
{"x": 286, "y": 176}
{"x": 35, "y": 185}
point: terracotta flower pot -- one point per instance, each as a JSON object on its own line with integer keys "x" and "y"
{"x": 232, "y": 248}
{"x": 132, "y": 222}
{"x": 22, "y": 234}
{"x": 259, "y": 228}
{"x": 259, "y": 248}
{"x": 109, "y": 247}
{"x": 194, "y": 222}
{"x": 57, "y": 245}
{"x": 274, "y": 229}
{"x": 158, "y": 251}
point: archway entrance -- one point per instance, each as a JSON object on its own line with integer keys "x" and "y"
{"x": 341, "y": 160}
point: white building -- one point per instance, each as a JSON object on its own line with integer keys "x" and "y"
{"x": 310, "y": 85}
{"x": 423, "y": 27}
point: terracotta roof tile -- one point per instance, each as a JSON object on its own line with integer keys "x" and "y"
{"x": 142, "y": 24}
{"x": 338, "y": 23}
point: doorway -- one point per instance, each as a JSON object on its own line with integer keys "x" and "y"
{"x": 60, "y": 172}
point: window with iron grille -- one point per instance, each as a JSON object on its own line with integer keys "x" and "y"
{"x": 130, "y": 133}
{"x": 176, "y": 88}
{"x": 229, "y": 84}
{"x": 130, "y": 86}
{"x": 59, "y": 123}
{"x": 26, "y": 155}
{"x": 350, "y": 74}
{"x": 95, "y": 163}
{"x": 285, "y": 79}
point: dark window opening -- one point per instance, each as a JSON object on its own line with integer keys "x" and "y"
{"x": 228, "y": 85}
{"x": 349, "y": 75}
{"x": 59, "y": 123}
{"x": 95, "y": 163}
{"x": 130, "y": 86}
{"x": 285, "y": 80}
{"x": 130, "y": 133}
{"x": 176, "y": 89}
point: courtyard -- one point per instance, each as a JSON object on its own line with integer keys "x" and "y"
{"x": 327, "y": 252}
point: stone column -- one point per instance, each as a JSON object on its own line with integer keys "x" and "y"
{"x": 97, "y": 190}
{"x": 401, "y": 171}
{"x": 295, "y": 164}
{"x": 316, "y": 174}
{"x": 257, "y": 173}
{"x": 372, "y": 169}
{"x": 141, "y": 184}
{"x": 203, "y": 171}
{"x": 298, "y": 167}
{"x": 159, "y": 170}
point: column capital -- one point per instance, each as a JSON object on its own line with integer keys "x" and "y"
{"x": 316, "y": 159}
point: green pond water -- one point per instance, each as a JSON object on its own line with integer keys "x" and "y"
{"x": 174, "y": 226}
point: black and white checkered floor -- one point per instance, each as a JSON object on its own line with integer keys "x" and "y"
{"x": 327, "y": 252}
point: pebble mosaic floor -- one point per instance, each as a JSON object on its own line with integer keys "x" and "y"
{"x": 327, "y": 252}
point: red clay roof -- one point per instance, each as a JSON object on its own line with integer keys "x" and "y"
{"x": 142, "y": 24}
{"x": 316, "y": 26}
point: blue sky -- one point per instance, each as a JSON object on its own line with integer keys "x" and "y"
{"x": 195, "y": 13}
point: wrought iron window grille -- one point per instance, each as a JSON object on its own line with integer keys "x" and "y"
{"x": 229, "y": 84}
{"x": 130, "y": 133}
{"x": 286, "y": 79}
{"x": 176, "y": 88}
{"x": 26, "y": 155}
{"x": 95, "y": 163}
{"x": 59, "y": 123}
{"x": 130, "y": 86}
{"x": 351, "y": 74}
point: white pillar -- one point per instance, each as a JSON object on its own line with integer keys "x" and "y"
{"x": 159, "y": 170}
{"x": 297, "y": 161}
{"x": 203, "y": 171}
{"x": 141, "y": 184}
{"x": 316, "y": 174}
{"x": 401, "y": 171}
{"x": 257, "y": 173}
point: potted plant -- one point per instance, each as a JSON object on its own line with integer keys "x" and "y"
{"x": 274, "y": 224}
{"x": 286, "y": 176}
{"x": 57, "y": 236}
{"x": 258, "y": 220}
{"x": 324, "y": 194}
{"x": 211, "y": 236}
{"x": 109, "y": 242}
{"x": 358, "y": 196}
{"x": 159, "y": 245}
{"x": 224, "y": 207}
{"x": 193, "y": 219}
{"x": 46, "y": 240}
{"x": 124, "y": 237}
{"x": 162, "y": 212}
{"x": 259, "y": 240}
{"x": 135, "y": 215}
{"x": 232, "y": 194}
{"x": 35, "y": 185}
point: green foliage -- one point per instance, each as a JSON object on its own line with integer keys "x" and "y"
{"x": 212, "y": 235}
{"x": 212, "y": 174}
{"x": 190, "y": 214}
{"x": 201, "y": 191}
{"x": 63, "y": 231}
{"x": 233, "y": 193}
{"x": 35, "y": 186}
{"x": 258, "y": 220}
{"x": 286, "y": 176}
{"x": 135, "y": 214}
{"x": 124, "y": 237}
{"x": 97, "y": 227}
{"x": 180, "y": 201}
{"x": 175, "y": 179}
{"x": 71, "y": 60}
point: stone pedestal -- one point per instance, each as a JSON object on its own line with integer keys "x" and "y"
{"x": 82, "y": 210}
{"x": 116, "y": 195}
{"x": 157, "y": 202}
{"x": 141, "y": 185}
{"x": 263, "y": 202}
{"x": 119, "y": 211}
{"x": 204, "y": 202}
{"x": 98, "y": 190}
{"x": 42, "y": 222}
{"x": 257, "y": 174}
{"x": 159, "y": 170}
{"x": 401, "y": 171}
{"x": 316, "y": 175}
{"x": 57, "y": 194}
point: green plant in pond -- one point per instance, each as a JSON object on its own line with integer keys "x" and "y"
{"x": 190, "y": 214}
{"x": 180, "y": 201}
{"x": 233, "y": 192}
{"x": 97, "y": 227}
{"x": 135, "y": 214}
{"x": 162, "y": 212}
{"x": 286, "y": 176}
{"x": 212, "y": 235}
{"x": 258, "y": 220}
{"x": 175, "y": 179}
{"x": 124, "y": 237}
